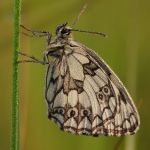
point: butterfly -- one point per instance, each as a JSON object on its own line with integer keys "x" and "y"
{"x": 84, "y": 96}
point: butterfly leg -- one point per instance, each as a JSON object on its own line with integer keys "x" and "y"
{"x": 37, "y": 34}
{"x": 32, "y": 59}
{"x": 45, "y": 58}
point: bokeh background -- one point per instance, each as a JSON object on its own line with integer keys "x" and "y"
{"x": 126, "y": 50}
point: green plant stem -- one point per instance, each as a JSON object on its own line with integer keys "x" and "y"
{"x": 15, "y": 99}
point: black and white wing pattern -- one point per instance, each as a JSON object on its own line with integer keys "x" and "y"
{"x": 84, "y": 96}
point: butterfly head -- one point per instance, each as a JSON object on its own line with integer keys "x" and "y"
{"x": 63, "y": 31}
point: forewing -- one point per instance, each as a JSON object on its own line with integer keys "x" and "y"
{"x": 85, "y": 97}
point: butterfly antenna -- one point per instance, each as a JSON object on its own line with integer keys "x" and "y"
{"x": 79, "y": 15}
{"x": 91, "y": 32}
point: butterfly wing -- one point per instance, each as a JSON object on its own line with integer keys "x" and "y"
{"x": 85, "y": 97}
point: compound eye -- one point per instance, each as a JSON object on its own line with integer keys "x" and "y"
{"x": 65, "y": 31}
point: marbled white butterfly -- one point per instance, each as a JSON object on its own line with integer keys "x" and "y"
{"x": 84, "y": 96}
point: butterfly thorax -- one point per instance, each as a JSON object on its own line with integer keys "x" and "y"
{"x": 59, "y": 48}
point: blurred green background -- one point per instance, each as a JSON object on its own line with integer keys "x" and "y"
{"x": 126, "y": 50}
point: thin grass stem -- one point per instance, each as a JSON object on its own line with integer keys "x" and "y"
{"x": 15, "y": 99}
